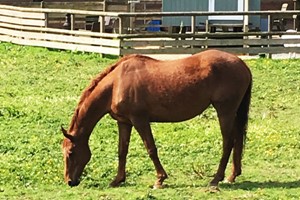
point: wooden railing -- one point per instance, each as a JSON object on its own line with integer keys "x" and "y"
{"x": 29, "y": 26}
{"x": 57, "y": 19}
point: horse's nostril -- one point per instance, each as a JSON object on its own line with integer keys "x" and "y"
{"x": 73, "y": 183}
{"x": 70, "y": 183}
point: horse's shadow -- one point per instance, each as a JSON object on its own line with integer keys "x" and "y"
{"x": 247, "y": 185}
{"x": 253, "y": 185}
{"x": 244, "y": 185}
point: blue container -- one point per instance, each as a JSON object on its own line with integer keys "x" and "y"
{"x": 154, "y": 28}
{"x": 264, "y": 24}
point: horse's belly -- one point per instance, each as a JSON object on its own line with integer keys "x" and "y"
{"x": 176, "y": 112}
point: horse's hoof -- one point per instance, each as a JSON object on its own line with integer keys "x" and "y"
{"x": 158, "y": 186}
{"x": 213, "y": 189}
{"x": 229, "y": 180}
{"x": 115, "y": 184}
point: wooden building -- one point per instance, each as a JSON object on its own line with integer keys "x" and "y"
{"x": 253, "y": 22}
{"x": 212, "y": 6}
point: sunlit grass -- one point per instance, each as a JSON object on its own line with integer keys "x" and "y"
{"x": 39, "y": 90}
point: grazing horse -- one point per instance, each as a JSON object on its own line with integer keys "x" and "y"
{"x": 138, "y": 90}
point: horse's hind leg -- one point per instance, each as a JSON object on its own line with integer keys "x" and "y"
{"x": 144, "y": 129}
{"x": 237, "y": 154}
{"x": 226, "y": 119}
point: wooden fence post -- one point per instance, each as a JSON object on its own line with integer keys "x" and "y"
{"x": 270, "y": 24}
{"x": 120, "y": 25}
{"x": 72, "y": 22}
{"x": 193, "y": 22}
{"x": 102, "y": 24}
{"x": 193, "y": 28}
{"x": 104, "y": 5}
{"x": 46, "y": 20}
{"x": 42, "y": 4}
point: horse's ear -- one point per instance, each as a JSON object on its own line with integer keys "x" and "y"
{"x": 66, "y": 134}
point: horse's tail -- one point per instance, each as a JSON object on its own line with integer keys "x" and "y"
{"x": 243, "y": 116}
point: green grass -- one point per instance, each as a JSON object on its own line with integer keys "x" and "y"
{"x": 40, "y": 88}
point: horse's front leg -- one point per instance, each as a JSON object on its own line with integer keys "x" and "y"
{"x": 124, "y": 139}
{"x": 144, "y": 129}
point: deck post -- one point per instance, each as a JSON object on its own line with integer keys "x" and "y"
{"x": 102, "y": 24}
{"x": 270, "y": 24}
{"x": 193, "y": 22}
{"x": 120, "y": 25}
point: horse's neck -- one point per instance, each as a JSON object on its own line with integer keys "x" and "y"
{"x": 94, "y": 107}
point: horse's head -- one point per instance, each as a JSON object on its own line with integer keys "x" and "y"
{"x": 76, "y": 155}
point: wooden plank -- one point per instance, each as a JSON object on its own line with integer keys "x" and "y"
{"x": 236, "y": 50}
{"x": 63, "y": 15}
{"x": 210, "y": 42}
{"x": 29, "y": 22}
{"x": 117, "y": 8}
{"x": 234, "y": 42}
{"x": 60, "y": 45}
{"x": 22, "y": 4}
{"x": 272, "y": 41}
{"x": 59, "y": 31}
{"x": 179, "y": 50}
{"x": 81, "y": 5}
{"x": 143, "y": 43}
{"x": 175, "y": 43}
{"x": 219, "y": 35}
{"x": 75, "y": 5}
{"x": 63, "y": 11}
{"x": 61, "y": 38}
{"x": 20, "y": 14}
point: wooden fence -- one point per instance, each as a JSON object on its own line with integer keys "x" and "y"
{"x": 57, "y": 19}
{"x": 29, "y": 26}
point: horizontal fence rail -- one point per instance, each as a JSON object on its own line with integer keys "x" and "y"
{"x": 30, "y": 26}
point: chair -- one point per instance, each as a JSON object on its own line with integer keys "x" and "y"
{"x": 93, "y": 24}
{"x": 281, "y": 22}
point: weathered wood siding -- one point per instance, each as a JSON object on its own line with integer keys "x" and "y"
{"x": 203, "y": 5}
{"x": 183, "y": 5}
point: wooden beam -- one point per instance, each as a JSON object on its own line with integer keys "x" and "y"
{"x": 59, "y": 31}
{"x": 20, "y": 21}
{"x": 60, "y": 45}
{"x": 21, "y": 14}
{"x": 61, "y": 38}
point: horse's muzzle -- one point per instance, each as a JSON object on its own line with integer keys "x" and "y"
{"x": 73, "y": 183}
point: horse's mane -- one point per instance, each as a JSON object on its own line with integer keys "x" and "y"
{"x": 87, "y": 91}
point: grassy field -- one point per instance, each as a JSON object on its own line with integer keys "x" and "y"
{"x": 39, "y": 90}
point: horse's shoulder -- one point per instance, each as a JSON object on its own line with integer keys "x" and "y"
{"x": 136, "y": 61}
{"x": 141, "y": 58}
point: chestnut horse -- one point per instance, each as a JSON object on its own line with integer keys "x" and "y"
{"x": 138, "y": 90}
